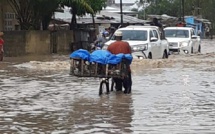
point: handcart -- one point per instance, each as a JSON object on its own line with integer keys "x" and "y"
{"x": 83, "y": 68}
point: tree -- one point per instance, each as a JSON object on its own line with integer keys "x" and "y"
{"x": 97, "y": 6}
{"x": 32, "y": 13}
{"x": 191, "y": 7}
{"x": 170, "y": 7}
{"x": 78, "y": 7}
{"x": 23, "y": 9}
{"x": 45, "y": 13}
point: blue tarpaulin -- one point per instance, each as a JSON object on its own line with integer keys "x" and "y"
{"x": 81, "y": 53}
{"x": 101, "y": 56}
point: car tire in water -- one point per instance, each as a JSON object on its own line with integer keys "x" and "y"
{"x": 199, "y": 49}
{"x": 150, "y": 56}
{"x": 178, "y": 51}
{"x": 165, "y": 55}
{"x": 191, "y": 50}
{"x": 104, "y": 85}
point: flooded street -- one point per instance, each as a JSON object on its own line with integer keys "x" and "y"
{"x": 173, "y": 96}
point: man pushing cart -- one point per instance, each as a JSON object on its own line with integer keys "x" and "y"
{"x": 102, "y": 64}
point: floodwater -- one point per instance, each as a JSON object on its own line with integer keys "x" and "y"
{"x": 173, "y": 96}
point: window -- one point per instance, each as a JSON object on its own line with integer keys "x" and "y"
{"x": 8, "y": 28}
{"x": 8, "y": 23}
{"x": 151, "y": 34}
{"x": 155, "y": 33}
{"x": 138, "y": 35}
{"x": 9, "y": 15}
{"x": 176, "y": 33}
{"x": 192, "y": 32}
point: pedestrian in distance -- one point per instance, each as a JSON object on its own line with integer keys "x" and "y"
{"x": 1, "y": 46}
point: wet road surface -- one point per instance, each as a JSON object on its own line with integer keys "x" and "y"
{"x": 173, "y": 96}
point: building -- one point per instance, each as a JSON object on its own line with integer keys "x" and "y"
{"x": 104, "y": 19}
{"x": 125, "y": 2}
{"x": 8, "y": 21}
{"x": 197, "y": 23}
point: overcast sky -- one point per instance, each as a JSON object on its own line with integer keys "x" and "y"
{"x": 125, "y": 1}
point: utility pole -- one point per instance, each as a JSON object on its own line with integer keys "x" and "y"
{"x": 180, "y": 19}
{"x": 144, "y": 9}
{"x": 121, "y": 12}
{"x": 182, "y": 10}
{"x": 198, "y": 4}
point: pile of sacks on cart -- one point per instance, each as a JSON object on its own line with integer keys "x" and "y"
{"x": 99, "y": 63}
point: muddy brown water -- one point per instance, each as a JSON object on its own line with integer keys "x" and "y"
{"x": 173, "y": 96}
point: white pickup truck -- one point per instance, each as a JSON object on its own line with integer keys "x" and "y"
{"x": 145, "y": 41}
{"x": 182, "y": 39}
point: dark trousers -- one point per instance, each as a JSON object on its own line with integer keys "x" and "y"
{"x": 1, "y": 56}
{"x": 126, "y": 83}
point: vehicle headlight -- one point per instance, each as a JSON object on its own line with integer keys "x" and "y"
{"x": 141, "y": 47}
{"x": 105, "y": 47}
{"x": 184, "y": 44}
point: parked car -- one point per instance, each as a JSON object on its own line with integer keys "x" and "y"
{"x": 182, "y": 39}
{"x": 145, "y": 41}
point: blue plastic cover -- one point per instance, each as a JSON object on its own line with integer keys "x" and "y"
{"x": 81, "y": 53}
{"x": 101, "y": 56}
{"x": 115, "y": 59}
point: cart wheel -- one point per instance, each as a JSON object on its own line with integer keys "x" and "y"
{"x": 104, "y": 84}
{"x": 112, "y": 84}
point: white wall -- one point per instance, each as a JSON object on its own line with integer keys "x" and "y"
{"x": 126, "y": 1}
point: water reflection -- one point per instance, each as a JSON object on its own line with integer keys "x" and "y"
{"x": 169, "y": 96}
{"x": 36, "y": 104}
{"x": 108, "y": 114}
{"x": 177, "y": 108}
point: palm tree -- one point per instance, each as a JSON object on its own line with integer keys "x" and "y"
{"x": 46, "y": 13}
{"x": 97, "y": 6}
{"x": 78, "y": 7}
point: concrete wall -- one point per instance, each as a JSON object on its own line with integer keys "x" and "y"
{"x": 19, "y": 43}
{"x": 37, "y": 42}
{"x": 64, "y": 38}
{"x": 15, "y": 43}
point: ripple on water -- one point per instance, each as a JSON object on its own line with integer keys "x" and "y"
{"x": 169, "y": 96}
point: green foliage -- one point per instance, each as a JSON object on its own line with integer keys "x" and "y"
{"x": 31, "y": 13}
{"x": 97, "y": 5}
{"x": 205, "y": 8}
{"x": 170, "y": 7}
{"x": 81, "y": 7}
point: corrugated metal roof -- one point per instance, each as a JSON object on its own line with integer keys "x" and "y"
{"x": 88, "y": 19}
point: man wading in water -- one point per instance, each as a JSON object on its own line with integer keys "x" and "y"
{"x": 118, "y": 47}
{"x": 1, "y": 46}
